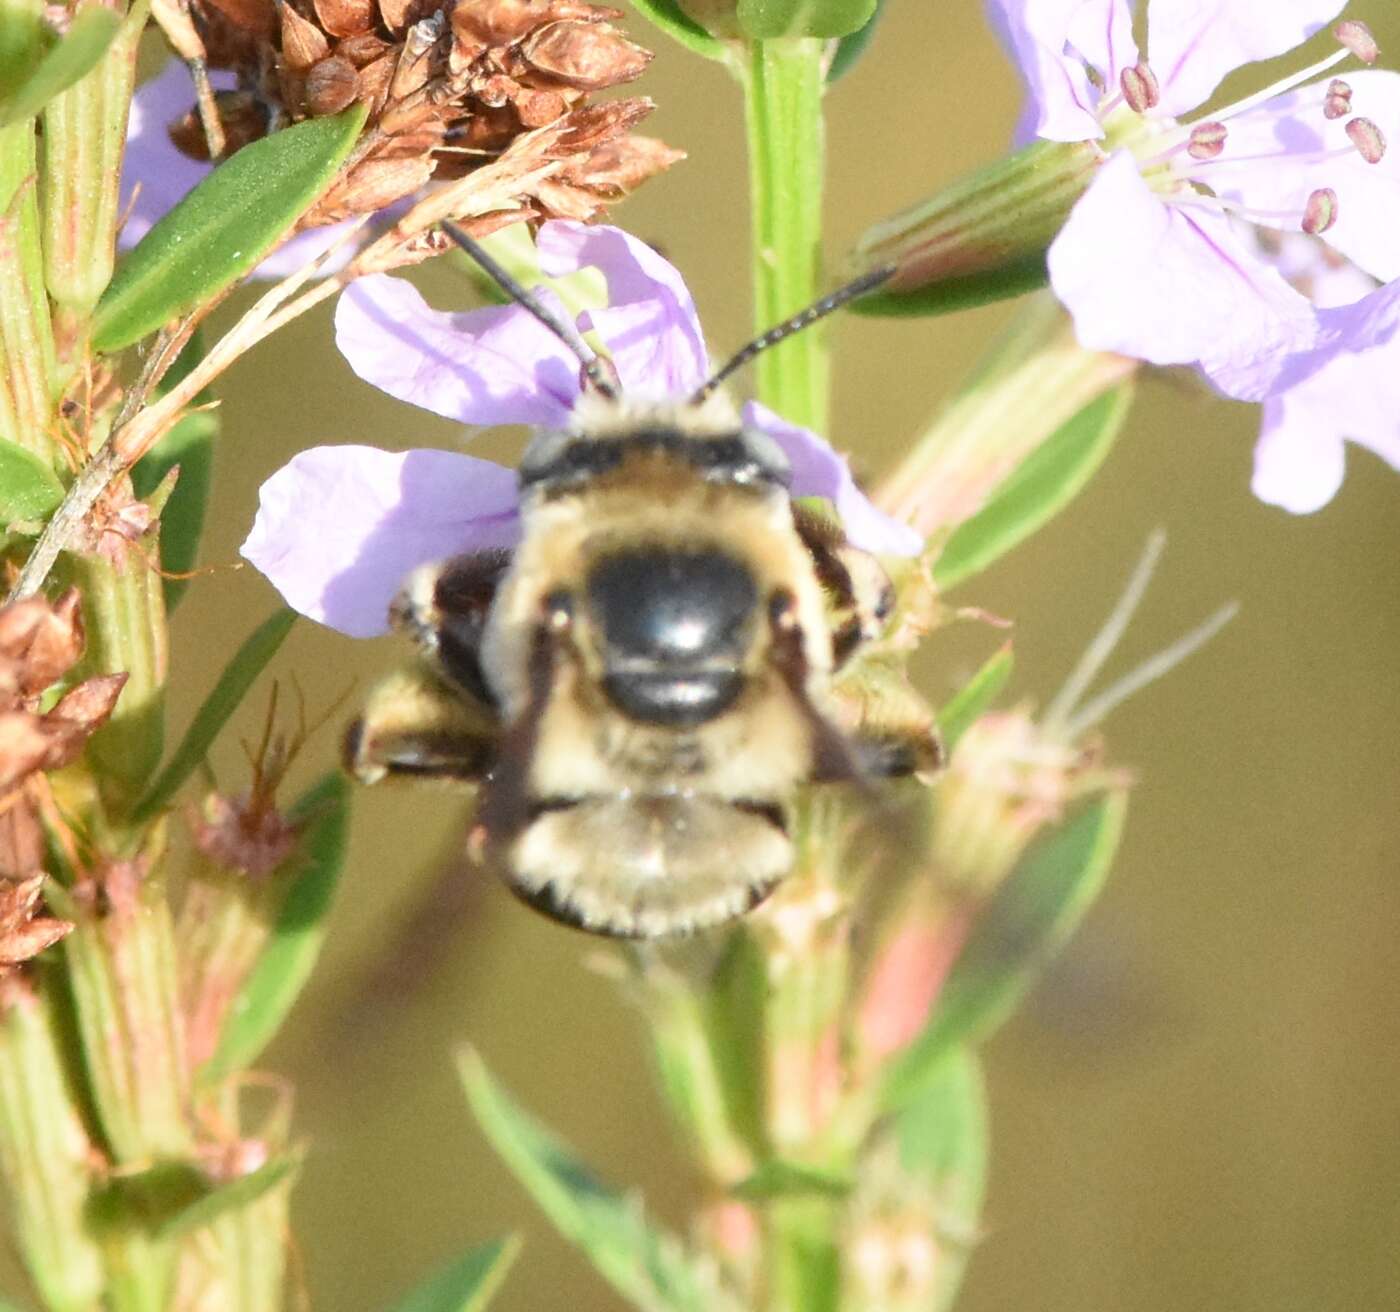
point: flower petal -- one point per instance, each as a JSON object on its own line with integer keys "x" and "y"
{"x": 1299, "y": 459}
{"x": 164, "y": 174}
{"x": 1035, "y": 34}
{"x": 1172, "y": 286}
{"x": 818, "y": 471}
{"x": 650, "y": 325}
{"x": 492, "y": 366}
{"x": 339, "y": 527}
{"x": 1275, "y": 158}
{"x": 1193, "y": 44}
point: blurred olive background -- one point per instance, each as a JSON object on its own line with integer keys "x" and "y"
{"x": 1201, "y": 1106}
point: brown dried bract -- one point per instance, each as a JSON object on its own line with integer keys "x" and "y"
{"x": 40, "y": 641}
{"x": 24, "y": 932}
{"x": 449, "y": 86}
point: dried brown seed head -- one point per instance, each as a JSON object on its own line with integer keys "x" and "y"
{"x": 589, "y": 56}
{"x": 331, "y": 85}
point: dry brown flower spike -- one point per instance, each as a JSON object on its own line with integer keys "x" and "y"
{"x": 449, "y": 85}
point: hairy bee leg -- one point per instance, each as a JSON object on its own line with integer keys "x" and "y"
{"x": 832, "y": 758}
{"x": 414, "y": 724}
{"x": 855, "y": 579}
{"x": 444, "y": 606}
{"x": 504, "y": 806}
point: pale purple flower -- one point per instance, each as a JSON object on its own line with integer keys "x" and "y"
{"x": 155, "y": 174}
{"x": 1150, "y": 263}
{"x": 339, "y": 527}
{"x": 1329, "y": 398}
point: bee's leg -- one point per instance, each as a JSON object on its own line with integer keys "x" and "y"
{"x": 443, "y": 608}
{"x": 854, "y": 579}
{"x": 889, "y": 752}
{"x": 832, "y": 758}
{"x": 504, "y": 806}
{"x": 415, "y": 724}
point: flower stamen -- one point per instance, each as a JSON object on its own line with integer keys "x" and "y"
{"x": 1368, "y": 139}
{"x": 1140, "y": 87}
{"x": 1321, "y": 211}
{"x": 1337, "y": 102}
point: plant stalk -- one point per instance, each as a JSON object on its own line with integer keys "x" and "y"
{"x": 783, "y": 85}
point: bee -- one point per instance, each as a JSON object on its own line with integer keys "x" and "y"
{"x": 639, "y": 688}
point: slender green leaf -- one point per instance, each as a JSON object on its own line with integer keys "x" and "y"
{"x": 645, "y": 1264}
{"x": 769, "y": 19}
{"x": 850, "y": 48}
{"x": 229, "y": 1197}
{"x": 1026, "y": 921}
{"x": 28, "y": 489}
{"x": 974, "y": 697}
{"x": 1037, "y": 490}
{"x": 680, "y": 26}
{"x": 92, "y": 30}
{"x": 276, "y": 982}
{"x": 469, "y": 1284}
{"x": 190, "y": 446}
{"x": 223, "y": 227}
{"x": 941, "y": 1139}
{"x": 238, "y": 677}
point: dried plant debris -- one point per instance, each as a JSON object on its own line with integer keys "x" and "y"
{"x": 449, "y": 85}
{"x": 40, "y": 642}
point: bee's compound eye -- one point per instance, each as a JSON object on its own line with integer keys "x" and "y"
{"x": 672, "y": 608}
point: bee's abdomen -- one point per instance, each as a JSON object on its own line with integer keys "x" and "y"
{"x": 674, "y": 627}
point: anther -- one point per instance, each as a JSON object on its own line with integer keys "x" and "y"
{"x": 1367, "y": 138}
{"x": 1140, "y": 87}
{"x": 1320, "y": 212}
{"x": 1337, "y": 102}
{"x": 1357, "y": 38}
{"x": 1207, "y": 140}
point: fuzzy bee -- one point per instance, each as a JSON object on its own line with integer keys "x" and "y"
{"x": 641, "y": 685}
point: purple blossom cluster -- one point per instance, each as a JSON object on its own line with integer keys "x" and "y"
{"x": 1176, "y": 253}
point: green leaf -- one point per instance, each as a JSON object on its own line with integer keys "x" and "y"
{"x": 1024, "y": 924}
{"x": 65, "y": 62}
{"x": 941, "y": 1141}
{"x": 28, "y": 489}
{"x": 223, "y": 228}
{"x": 677, "y": 24}
{"x": 850, "y": 48}
{"x": 238, "y": 677}
{"x": 781, "y": 1179}
{"x": 469, "y": 1284}
{"x": 974, "y": 697}
{"x": 282, "y": 970}
{"x": 190, "y": 445}
{"x": 768, "y": 19}
{"x": 229, "y": 1197}
{"x": 646, "y": 1265}
{"x": 1037, "y": 490}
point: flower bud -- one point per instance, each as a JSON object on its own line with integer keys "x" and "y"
{"x": 981, "y": 239}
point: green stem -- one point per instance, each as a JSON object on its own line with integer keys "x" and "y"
{"x": 26, "y": 335}
{"x": 45, "y": 1156}
{"x": 783, "y": 97}
{"x": 803, "y": 1259}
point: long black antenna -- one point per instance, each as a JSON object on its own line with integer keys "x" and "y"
{"x": 819, "y": 309}
{"x": 595, "y": 370}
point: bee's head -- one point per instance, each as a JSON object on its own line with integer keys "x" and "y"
{"x": 705, "y": 440}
